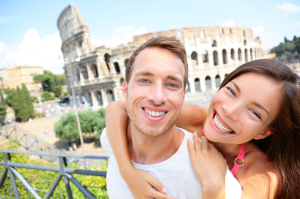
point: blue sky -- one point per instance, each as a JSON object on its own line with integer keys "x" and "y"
{"x": 29, "y": 34}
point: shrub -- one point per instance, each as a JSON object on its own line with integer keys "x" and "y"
{"x": 47, "y": 96}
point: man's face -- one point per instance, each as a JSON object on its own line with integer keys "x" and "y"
{"x": 155, "y": 91}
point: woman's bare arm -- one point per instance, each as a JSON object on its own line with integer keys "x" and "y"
{"x": 192, "y": 117}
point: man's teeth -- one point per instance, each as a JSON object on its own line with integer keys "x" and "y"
{"x": 220, "y": 126}
{"x": 154, "y": 114}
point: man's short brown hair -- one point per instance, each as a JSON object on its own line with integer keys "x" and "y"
{"x": 169, "y": 43}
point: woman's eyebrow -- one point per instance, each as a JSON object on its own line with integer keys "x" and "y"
{"x": 236, "y": 86}
{"x": 260, "y": 106}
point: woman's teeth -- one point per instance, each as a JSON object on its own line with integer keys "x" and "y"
{"x": 220, "y": 126}
{"x": 154, "y": 114}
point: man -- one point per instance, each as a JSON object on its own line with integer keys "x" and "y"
{"x": 156, "y": 76}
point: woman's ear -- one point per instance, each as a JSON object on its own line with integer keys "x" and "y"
{"x": 264, "y": 134}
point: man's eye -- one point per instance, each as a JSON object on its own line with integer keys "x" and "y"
{"x": 144, "y": 81}
{"x": 172, "y": 85}
{"x": 230, "y": 90}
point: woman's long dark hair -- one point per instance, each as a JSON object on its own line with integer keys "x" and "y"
{"x": 283, "y": 146}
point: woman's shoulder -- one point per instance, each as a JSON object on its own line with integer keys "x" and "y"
{"x": 259, "y": 174}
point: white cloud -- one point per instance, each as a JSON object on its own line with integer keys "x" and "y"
{"x": 121, "y": 35}
{"x": 34, "y": 51}
{"x": 288, "y": 7}
{"x": 228, "y": 23}
{"x": 297, "y": 23}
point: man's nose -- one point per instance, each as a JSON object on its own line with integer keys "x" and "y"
{"x": 157, "y": 94}
{"x": 232, "y": 110}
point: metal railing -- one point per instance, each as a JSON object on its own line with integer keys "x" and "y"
{"x": 32, "y": 143}
{"x": 64, "y": 172}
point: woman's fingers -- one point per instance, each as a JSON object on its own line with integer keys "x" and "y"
{"x": 210, "y": 146}
{"x": 197, "y": 143}
{"x": 204, "y": 143}
{"x": 191, "y": 148}
{"x": 157, "y": 185}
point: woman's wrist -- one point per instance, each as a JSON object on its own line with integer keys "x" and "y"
{"x": 214, "y": 189}
{"x": 126, "y": 170}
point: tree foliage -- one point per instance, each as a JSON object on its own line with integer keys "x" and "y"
{"x": 28, "y": 101}
{"x": 19, "y": 105}
{"x": 57, "y": 90}
{"x": 90, "y": 121}
{"x": 2, "y": 106}
{"x": 49, "y": 80}
{"x": 288, "y": 50}
{"x": 47, "y": 96}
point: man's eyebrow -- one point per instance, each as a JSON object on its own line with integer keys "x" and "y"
{"x": 174, "y": 78}
{"x": 144, "y": 73}
{"x": 236, "y": 86}
{"x": 260, "y": 106}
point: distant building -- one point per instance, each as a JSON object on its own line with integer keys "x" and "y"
{"x": 96, "y": 74}
{"x": 23, "y": 74}
{"x": 3, "y": 75}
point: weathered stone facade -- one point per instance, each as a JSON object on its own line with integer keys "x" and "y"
{"x": 97, "y": 74}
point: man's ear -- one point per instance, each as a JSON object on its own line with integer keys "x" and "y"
{"x": 125, "y": 89}
{"x": 264, "y": 134}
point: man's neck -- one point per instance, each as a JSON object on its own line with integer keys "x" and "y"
{"x": 151, "y": 150}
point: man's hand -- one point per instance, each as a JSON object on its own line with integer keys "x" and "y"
{"x": 141, "y": 185}
{"x": 209, "y": 167}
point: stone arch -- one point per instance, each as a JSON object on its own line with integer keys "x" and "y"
{"x": 229, "y": 31}
{"x": 239, "y": 54}
{"x": 244, "y": 33}
{"x": 77, "y": 100}
{"x": 221, "y": 31}
{"x": 232, "y": 54}
{"x": 187, "y": 87}
{"x": 117, "y": 67}
{"x": 122, "y": 80}
{"x": 214, "y": 43}
{"x": 202, "y": 34}
{"x": 251, "y": 54}
{"x": 194, "y": 58}
{"x": 107, "y": 60}
{"x": 224, "y": 55}
{"x": 82, "y": 99}
{"x": 197, "y": 85}
{"x": 89, "y": 99}
{"x": 218, "y": 81}
{"x": 179, "y": 33}
{"x": 245, "y": 42}
{"x": 84, "y": 72}
{"x": 246, "y": 55}
{"x": 216, "y": 59}
{"x": 77, "y": 75}
{"x": 125, "y": 62}
{"x": 99, "y": 98}
{"x": 205, "y": 56}
{"x": 208, "y": 83}
{"x": 95, "y": 70}
{"x": 110, "y": 96}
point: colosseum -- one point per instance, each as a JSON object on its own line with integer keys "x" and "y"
{"x": 95, "y": 75}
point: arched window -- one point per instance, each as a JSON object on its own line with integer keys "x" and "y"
{"x": 117, "y": 68}
{"x": 244, "y": 33}
{"x": 197, "y": 85}
{"x": 90, "y": 101}
{"x": 229, "y": 30}
{"x": 251, "y": 54}
{"x": 232, "y": 54}
{"x": 246, "y": 55}
{"x": 216, "y": 59}
{"x": 245, "y": 42}
{"x": 107, "y": 60}
{"x": 99, "y": 98}
{"x": 221, "y": 31}
{"x": 239, "y": 54}
{"x": 218, "y": 81}
{"x": 187, "y": 87}
{"x": 205, "y": 56}
{"x": 202, "y": 34}
{"x": 95, "y": 70}
{"x": 84, "y": 72}
{"x": 214, "y": 43}
{"x": 194, "y": 57}
{"x": 224, "y": 55}
{"x": 110, "y": 96}
{"x": 179, "y": 34}
{"x": 208, "y": 83}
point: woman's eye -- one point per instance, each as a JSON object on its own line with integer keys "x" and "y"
{"x": 230, "y": 90}
{"x": 144, "y": 81}
{"x": 256, "y": 114}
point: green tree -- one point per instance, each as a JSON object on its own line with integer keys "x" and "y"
{"x": 49, "y": 80}
{"x": 19, "y": 105}
{"x": 287, "y": 50}
{"x": 9, "y": 96}
{"x": 28, "y": 99}
{"x": 2, "y": 106}
{"x": 47, "y": 96}
{"x": 57, "y": 90}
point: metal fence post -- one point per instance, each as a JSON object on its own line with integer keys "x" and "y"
{"x": 66, "y": 180}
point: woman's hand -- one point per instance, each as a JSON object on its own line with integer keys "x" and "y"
{"x": 141, "y": 185}
{"x": 209, "y": 167}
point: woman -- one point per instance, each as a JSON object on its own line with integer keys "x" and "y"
{"x": 253, "y": 121}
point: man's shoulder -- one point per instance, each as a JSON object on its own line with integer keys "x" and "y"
{"x": 186, "y": 132}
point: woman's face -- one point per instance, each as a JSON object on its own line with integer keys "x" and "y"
{"x": 243, "y": 109}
